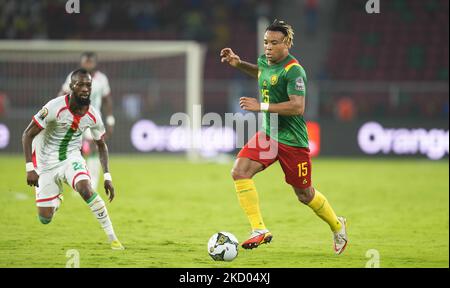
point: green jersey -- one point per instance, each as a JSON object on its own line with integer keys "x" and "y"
{"x": 276, "y": 82}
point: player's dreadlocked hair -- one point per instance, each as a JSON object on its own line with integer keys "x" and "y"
{"x": 284, "y": 28}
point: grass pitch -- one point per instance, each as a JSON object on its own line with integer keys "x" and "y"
{"x": 166, "y": 209}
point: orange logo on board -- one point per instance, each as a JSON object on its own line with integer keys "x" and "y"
{"x": 314, "y": 137}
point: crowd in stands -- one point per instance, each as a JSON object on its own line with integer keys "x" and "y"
{"x": 407, "y": 42}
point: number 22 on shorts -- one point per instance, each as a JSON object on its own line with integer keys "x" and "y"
{"x": 302, "y": 169}
{"x": 77, "y": 166}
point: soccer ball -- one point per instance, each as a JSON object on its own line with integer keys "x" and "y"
{"x": 223, "y": 246}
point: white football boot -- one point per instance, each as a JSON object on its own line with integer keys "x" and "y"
{"x": 341, "y": 237}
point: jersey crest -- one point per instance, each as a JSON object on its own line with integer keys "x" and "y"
{"x": 273, "y": 80}
{"x": 43, "y": 113}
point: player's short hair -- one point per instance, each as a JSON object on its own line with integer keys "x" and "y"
{"x": 286, "y": 29}
{"x": 89, "y": 55}
{"x": 78, "y": 73}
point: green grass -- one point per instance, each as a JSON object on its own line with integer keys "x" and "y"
{"x": 166, "y": 209}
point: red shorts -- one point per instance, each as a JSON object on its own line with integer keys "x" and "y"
{"x": 295, "y": 161}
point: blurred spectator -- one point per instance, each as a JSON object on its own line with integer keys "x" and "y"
{"x": 445, "y": 109}
{"x": 4, "y": 104}
{"x": 195, "y": 26}
{"x": 345, "y": 109}
{"x": 221, "y": 28}
{"x": 263, "y": 9}
{"x": 191, "y": 20}
{"x": 311, "y": 11}
{"x": 100, "y": 17}
{"x": 132, "y": 106}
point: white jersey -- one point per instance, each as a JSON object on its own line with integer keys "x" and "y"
{"x": 60, "y": 138}
{"x": 100, "y": 88}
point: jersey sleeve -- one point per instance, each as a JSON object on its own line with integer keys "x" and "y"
{"x": 106, "y": 90}
{"x": 98, "y": 130}
{"x": 65, "y": 87}
{"x": 45, "y": 115}
{"x": 260, "y": 61}
{"x": 296, "y": 81}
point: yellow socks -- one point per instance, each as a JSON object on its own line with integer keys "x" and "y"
{"x": 248, "y": 198}
{"x": 322, "y": 208}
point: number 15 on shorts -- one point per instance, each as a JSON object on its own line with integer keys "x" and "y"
{"x": 302, "y": 169}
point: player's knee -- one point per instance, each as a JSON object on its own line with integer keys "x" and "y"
{"x": 86, "y": 193}
{"x": 84, "y": 188}
{"x": 237, "y": 174}
{"x": 45, "y": 219}
{"x": 45, "y": 214}
{"x": 304, "y": 195}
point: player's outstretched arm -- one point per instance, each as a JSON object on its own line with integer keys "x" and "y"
{"x": 295, "y": 106}
{"x": 27, "y": 139}
{"x": 107, "y": 105}
{"x": 61, "y": 93}
{"x": 227, "y": 55}
{"x": 104, "y": 158}
{"x": 65, "y": 88}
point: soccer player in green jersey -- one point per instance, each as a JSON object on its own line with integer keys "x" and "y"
{"x": 282, "y": 83}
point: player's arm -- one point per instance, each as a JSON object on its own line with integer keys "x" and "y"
{"x": 65, "y": 88}
{"x": 27, "y": 139}
{"x": 227, "y": 55}
{"x": 104, "y": 159}
{"x": 295, "y": 89}
{"x": 295, "y": 106}
{"x": 107, "y": 105}
{"x": 62, "y": 92}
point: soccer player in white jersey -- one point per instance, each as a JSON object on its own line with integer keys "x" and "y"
{"x": 52, "y": 143}
{"x": 100, "y": 98}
